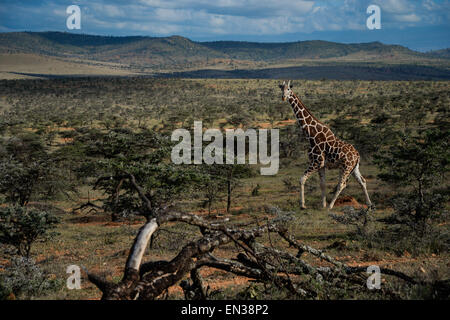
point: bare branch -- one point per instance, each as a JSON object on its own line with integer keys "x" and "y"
{"x": 141, "y": 192}
{"x": 151, "y": 279}
{"x": 87, "y": 204}
{"x": 349, "y": 270}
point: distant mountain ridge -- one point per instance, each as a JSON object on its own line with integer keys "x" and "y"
{"x": 154, "y": 51}
{"x": 143, "y": 54}
{"x": 443, "y": 53}
{"x": 311, "y": 49}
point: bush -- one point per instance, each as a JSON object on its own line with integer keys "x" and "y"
{"x": 25, "y": 279}
{"x": 113, "y": 156}
{"x": 20, "y": 227}
{"x": 29, "y": 171}
{"x": 360, "y": 218}
{"x": 418, "y": 166}
{"x": 418, "y": 213}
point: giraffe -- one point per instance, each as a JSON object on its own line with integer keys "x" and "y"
{"x": 326, "y": 151}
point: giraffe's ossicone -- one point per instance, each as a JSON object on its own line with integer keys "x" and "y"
{"x": 325, "y": 151}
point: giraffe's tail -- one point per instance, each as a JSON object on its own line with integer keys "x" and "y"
{"x": 357, "y": 173}
{"x": 356, "y": 167}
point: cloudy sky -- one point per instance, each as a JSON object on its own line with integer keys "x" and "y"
{"x": 418, "y": 24}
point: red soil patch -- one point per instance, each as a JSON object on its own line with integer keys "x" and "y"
{"x": 222, "y": 211}
{"x": 348, "y": 201}
{"x": 65, "y": 140}
{"x": 220, "y": 284}
{"x": 121, "y": 223}
{"x": 211, "y": 281}
{"x": 61, "y": 129}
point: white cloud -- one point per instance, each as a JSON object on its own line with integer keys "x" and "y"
{"x": 172, "y": 15}
{"x": 430, "y": 5}
{"x": 396, "y": 6}
{"x": 260, "y": 17}
{"x": 112, "y": 11}
{"x": 217, "y": 21}
{"x": 60, "y": 12}
{"x": 407, "y": 17}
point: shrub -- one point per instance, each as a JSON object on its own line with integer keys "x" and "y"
{"x": 360, "y": 218}
{"x": 417, "y": 166}
{"x": 29, "y": 171}
{"x": 114, "y": 156}
{"x": 21, "y": 227}
{"x": 25, "y": 279}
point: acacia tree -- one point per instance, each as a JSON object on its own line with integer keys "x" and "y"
{"x": 121, "y": 158}
{"x": 20, "y": 227}
{"x": 219, "y": 179}
{"x": 28, "y": 169}
{"x": 212, "y": 185}
{"x": 418, "y": 166}
{"x": 232, "y": 174}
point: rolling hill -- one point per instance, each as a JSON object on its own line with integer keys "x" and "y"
{"x": 443, "y": 53}
{"x": 164, "y": 55}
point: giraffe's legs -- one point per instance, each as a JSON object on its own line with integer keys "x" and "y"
{"x": 362, "y": 183}
{"x": 311, "y": 169}
{"x": 343, "y": 175}
{"x": 323, "y": 186}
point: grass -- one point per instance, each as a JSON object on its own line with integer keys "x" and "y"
{"x": 91, "y": 240}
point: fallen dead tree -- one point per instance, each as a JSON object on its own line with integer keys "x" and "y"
{"x": 265, "y": 264}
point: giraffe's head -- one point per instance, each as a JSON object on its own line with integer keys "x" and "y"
{"x": 286, "y": 88}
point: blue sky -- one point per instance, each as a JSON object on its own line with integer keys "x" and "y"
{"x": 421, "y": 25}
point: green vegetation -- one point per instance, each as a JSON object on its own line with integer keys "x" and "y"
{"x": 24, "y": 279}
{"x": 21, "y": 227}
{"x": 71, "y": 147}
{"x": 29, "y": 169}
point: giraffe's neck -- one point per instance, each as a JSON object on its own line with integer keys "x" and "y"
{"x": 304, "y": 117}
